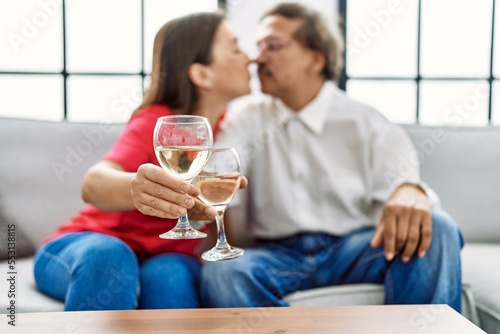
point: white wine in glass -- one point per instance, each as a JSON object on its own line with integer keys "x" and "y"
{"x": 182, "y": 145}
{"x": 218, "y": 183}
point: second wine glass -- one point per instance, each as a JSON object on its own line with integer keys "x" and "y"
{"x": 218, "y": 183}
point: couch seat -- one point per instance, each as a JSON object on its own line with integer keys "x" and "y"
{"x": 28, "y": 298}
{"x": 481, "y": 270}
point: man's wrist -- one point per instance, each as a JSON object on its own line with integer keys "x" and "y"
{"x": 427, "y": 191}
{"x": 417, "y": 186}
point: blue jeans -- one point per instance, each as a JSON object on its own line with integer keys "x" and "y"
{"x": 93, "y": 271}
{"x": 270, "y": 270}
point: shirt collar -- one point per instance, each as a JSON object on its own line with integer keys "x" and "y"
{"x": 315, "y": 113}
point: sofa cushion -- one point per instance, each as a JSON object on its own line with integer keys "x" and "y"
{"x": 480, "y": 269}
{"x": 41, "y": 178}
{"x": 22, "y": 244}
{"x": 28, "y": 298}
{"x": 365, "y": 294}
{"x": 352, "y": 294}
{"x": 462, "y": 164}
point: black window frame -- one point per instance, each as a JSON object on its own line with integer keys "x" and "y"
{"x": 64, "y": 72}
{"x": 342, "y": 10}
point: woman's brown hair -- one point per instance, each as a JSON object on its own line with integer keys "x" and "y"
{"x": 178, "y": 44}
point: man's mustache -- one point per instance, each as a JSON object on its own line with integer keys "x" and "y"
{"x": 263, "y": 69}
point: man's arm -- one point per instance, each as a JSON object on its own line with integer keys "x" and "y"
{"x": 405, "y": 225}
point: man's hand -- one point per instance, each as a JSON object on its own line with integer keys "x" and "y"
{"x": 201, "y": 211}
{"x": 405, "y": 226}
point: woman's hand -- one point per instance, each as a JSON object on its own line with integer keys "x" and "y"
{"x": 157, "y": 193}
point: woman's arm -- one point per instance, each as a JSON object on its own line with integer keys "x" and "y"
{"x": 107, "y": 186}
{"x": 151, "y": 191}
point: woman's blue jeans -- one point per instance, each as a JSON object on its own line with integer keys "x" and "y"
{"x": 269, "y": 271}
{"x": 93, "y": 271}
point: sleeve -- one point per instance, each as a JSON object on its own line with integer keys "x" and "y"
{"x": 134, "y": 147}
{"x": 431, "y": 194}
{"x": 395, "y": 162}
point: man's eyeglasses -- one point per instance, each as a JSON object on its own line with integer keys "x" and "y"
{"x": 273, "y": 45}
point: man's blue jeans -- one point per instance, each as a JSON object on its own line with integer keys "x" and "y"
{"x": 273, "y": 269}
{"x": 93, "y": 271}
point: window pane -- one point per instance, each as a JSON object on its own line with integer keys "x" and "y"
{"x": 31, "y": 35}
{"x": 454, "y": 103}
{"x": 495, "y": 111}
{"x": 104, "y": 36}
{"x": 456, "y": 38}
{"x": 496, "y": 61}
{"x": 382, "y": 38}
{"x": 395, "y": 99}
{"x": 147, "y": 82}
{"x": 158, "y": 12}
{"x": 32, "y": 96}
{"x": 103, "y": 98}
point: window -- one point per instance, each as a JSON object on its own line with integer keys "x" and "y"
{"x": 415, "y": 60}
{"x": 80, "y": 60}
{"x": 425, "y": 61}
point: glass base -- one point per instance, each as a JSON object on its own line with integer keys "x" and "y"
{"x": 216, "y": 254}
{"x": 181, "y": 233}
{"x": 196, "y": 224}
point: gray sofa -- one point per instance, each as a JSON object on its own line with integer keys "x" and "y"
{"x": 42, "y": 166}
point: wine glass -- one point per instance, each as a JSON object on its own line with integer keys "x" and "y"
{"x": 218, "y": 183}
{"x": 182, "y": 145}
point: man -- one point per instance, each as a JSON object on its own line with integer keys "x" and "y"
{"x": 329, "y": 199}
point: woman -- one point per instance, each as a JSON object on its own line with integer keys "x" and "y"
{"x": 109, "y": 256}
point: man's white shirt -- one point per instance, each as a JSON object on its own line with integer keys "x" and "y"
{"x": 328, "y": 168}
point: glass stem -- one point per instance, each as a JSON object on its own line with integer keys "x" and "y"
{"x": 183, "y": 222}
{"x": 221, "y": 234}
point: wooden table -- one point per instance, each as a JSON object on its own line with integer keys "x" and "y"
{"x": 398, "y": 319}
